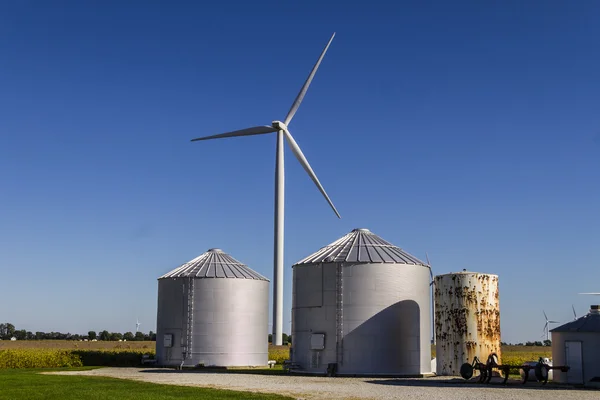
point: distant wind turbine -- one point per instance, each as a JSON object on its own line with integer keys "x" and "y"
{"x": 547, "y": 326}
{"x": 137, "y": 325}
{"x": 282, "y": 132}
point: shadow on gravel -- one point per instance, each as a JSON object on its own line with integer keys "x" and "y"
{"x": 248, "y": 371}
{"x": 457, "y": 382}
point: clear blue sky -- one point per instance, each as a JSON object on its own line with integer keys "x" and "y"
{"x": 468, "y": 130}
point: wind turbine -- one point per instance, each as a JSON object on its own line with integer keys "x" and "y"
{"x": 137, "y": 325}
{"x": 282, "y": 132}
{"x": 547, "y": 326}
{"x": 574, "y": 313}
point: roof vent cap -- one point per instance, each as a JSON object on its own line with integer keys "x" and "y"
{"x": 361, "y": 230}
{"x": 215, "y": 250}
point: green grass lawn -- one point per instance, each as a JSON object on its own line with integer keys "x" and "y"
{"x": 25, "y": 384}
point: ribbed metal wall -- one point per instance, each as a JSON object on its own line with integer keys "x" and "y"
{"x": 588, "y": 368}
{"x": 374, "y": 315}
{"x": 229, "y": 319}
{"x": 467, "y": 319}
{"x": 582, "y": 338}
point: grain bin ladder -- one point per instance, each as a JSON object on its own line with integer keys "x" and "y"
{"x": 187, "y": 349}
{"x": 339, "y": 314}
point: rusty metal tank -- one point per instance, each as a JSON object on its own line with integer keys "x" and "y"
{"x": 467, "y": 319}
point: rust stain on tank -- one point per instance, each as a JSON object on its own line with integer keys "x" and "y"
{"x": 467, "y": 319}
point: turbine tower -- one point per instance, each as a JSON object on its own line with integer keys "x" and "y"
{"x": 547, "y": 326}
{"x": 282, "y": 132}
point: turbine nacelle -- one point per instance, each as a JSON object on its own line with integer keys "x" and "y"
{"x": 280, "y": 126}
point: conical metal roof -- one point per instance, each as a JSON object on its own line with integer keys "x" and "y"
{"x": 587, "y": 323}
{"x": 214, "y": 264}
{"x": 361, "y": 246}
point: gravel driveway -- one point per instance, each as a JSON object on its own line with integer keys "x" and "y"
{"x": 303, "y": 387}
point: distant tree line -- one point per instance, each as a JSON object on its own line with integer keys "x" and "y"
{"x": 8, "y": 331}
{"x": 285, "y": 338}
{"x": 538, "y": 343}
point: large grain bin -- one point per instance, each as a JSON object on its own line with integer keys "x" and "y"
{"x": 577, "y": 345}
{"x": 212, "y": 310}
{"x": 467, "y": 319}
{"x": 361, "y": 307}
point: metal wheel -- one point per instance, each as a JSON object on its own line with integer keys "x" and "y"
{"x": 466, "y": 371}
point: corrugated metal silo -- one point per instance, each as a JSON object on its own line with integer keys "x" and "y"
{"x": 361, "y": 305}
{"x": 577, "y": 345}
{"x": 212, "y": 310}
{"x": 467, "y": 319}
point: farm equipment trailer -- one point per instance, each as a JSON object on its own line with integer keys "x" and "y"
{"x": 485, "y": 370}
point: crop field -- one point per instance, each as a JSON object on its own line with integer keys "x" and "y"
{"x": 56, "y": 353}
{"x": 69, "y": 353}
{"x": 517, "y": 355}
{"x": 65, "y": 353}
{"x": 76, "y": 345}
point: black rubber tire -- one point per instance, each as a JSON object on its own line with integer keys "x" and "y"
{"x": 466, "y": 371}
{"x": 541, "y": 373}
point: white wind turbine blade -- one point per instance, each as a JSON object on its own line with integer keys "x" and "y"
{"x": 302, "y": 93}
{"x": 574, "y": 313}
{"x": 545, "y": 316}
{"x": 304, "y": 162}
{"x": 256, "y": 130}
{"x": 430, "y": 272}
{"x": 593, "y": 294}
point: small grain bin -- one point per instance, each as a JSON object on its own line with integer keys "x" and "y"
{"x": 577, "y": 345}
{"x": 361, "y": 306}
{"x": 212, "y": 310}
{"x": 467, "y": 319}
